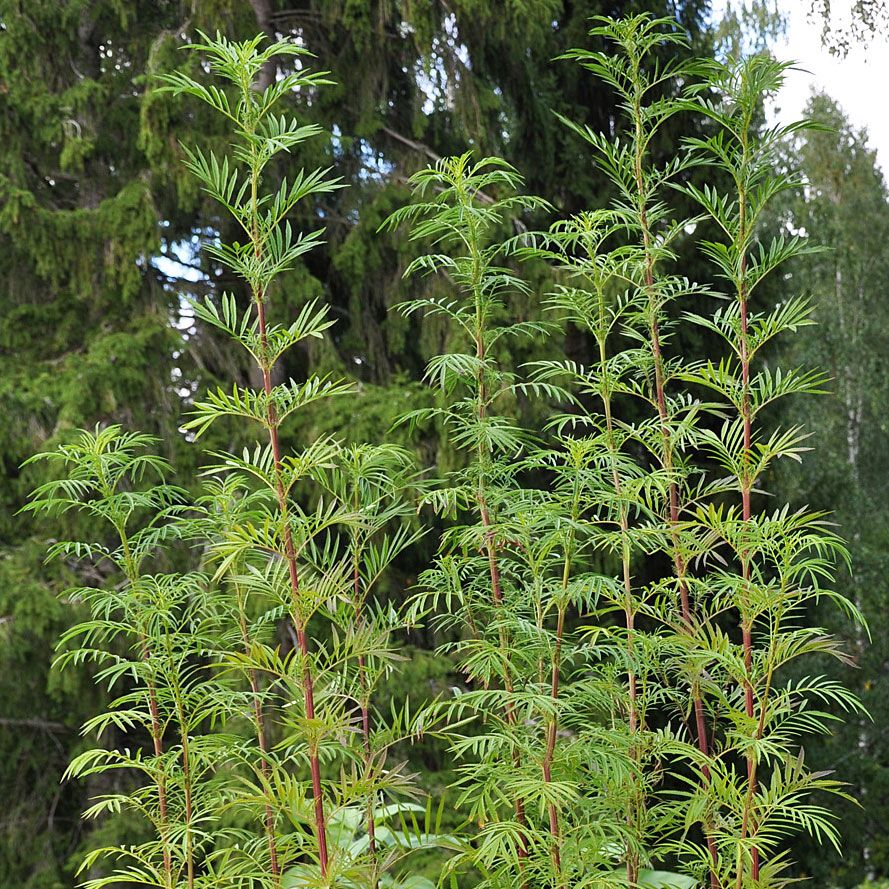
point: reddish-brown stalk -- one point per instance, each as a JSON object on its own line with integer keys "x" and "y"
{"x": 497, "y": 596}
{"x": 157, "y": 731}
{"x": 290, "y": 555}
{"x": 272, "y": 424}
{"x": 496, "y": 588}
{"x": 160, "y": 780}
{"x": 259, "y": 727}
{"x": 679, "y": 566}
{"x": 629, "y": 616}
{"x": 553, "y": 726}
{"x": 187, "y": 793}
{"x": 263, "y": 81}
{"x": 551, "y": 733}
{"x": 746, "y": 486}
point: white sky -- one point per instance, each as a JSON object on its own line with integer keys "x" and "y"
{"x": 859, "y": 82}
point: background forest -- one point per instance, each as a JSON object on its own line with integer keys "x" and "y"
{"x": 100, "y": 235}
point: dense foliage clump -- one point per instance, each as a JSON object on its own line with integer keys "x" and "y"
{"x": 542, "y": 617}
{"x": 588, "y": 752}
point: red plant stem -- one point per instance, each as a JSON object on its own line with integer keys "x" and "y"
{"x": 625, "y": 530}
{"x": 187, "y": 791}
{"x": 156, "y": 729}
{"x": 259, "y": 725}
{"x": 290, "y": 555}
{"x": 132, "y": 575}
{"x": 365, "y": 730}
{"x": 497, "y": 595}
{"x": 157, "y": 742}
{"x": 497, "y": 591}
{"x": 289, "y": 550}
{"x": 556, "y": 669}
{"x": 629, "y": 618}
{"x": 679, "y": 566}
{"x": 680, "y": 569}
{"x": 746, "y": 486}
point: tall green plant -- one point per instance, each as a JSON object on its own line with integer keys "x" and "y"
{"x": 143, "y": 635}
{"x": 371, "y": 481}
{"x": 548, "y": 737}
{"x": 244, "y": 634}
{"x": 653, "y": 92}
{"x": 286, "y": 540}
{"x": 622, "y": 498}
{"x": 270, "y": 247}
{"x": 277, "y": 549}
{"x": 623, "y": 607}
{"x": 460, "y": 219}
{"x": 781, "y": 559}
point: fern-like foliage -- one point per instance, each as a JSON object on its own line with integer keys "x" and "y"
{"x": 144, "y": 637}
{"x": 317, "y": 565}
{"x": 270, "y": 541}
{"x": 628, "y": 613}
{"x": 775, "y": 560}
{"x": 462, "y": 210}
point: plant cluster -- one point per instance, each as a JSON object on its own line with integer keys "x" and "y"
{"x": 624, "y": 605}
